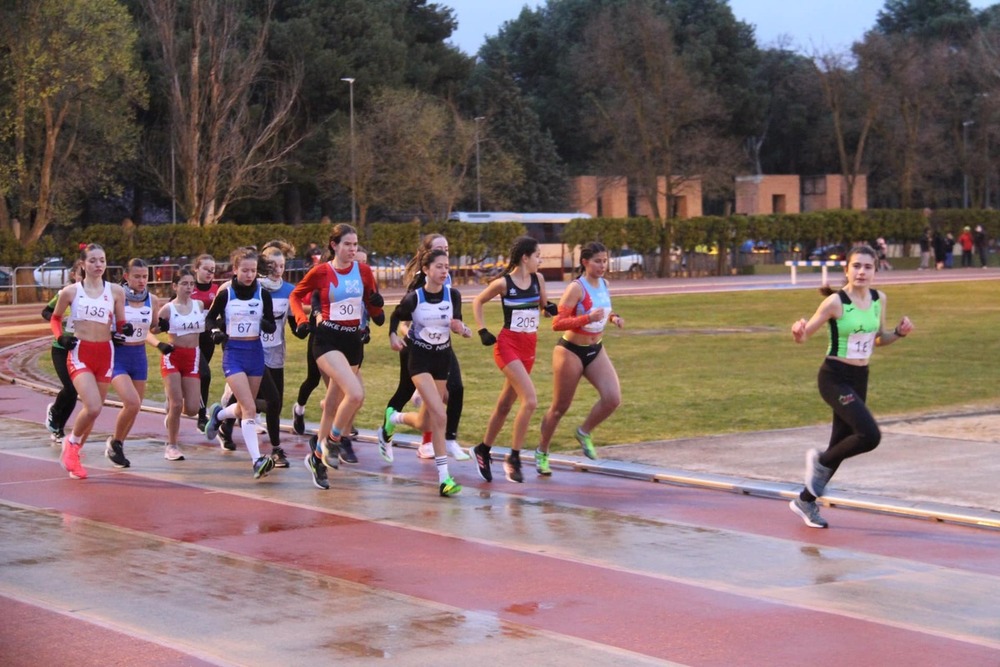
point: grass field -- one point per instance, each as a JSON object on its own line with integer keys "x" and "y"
{"x": 714, "y": 363}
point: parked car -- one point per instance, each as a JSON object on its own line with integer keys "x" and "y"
{"x": 623, "y": 260}
{"x": 835, "y": 252}
{"x": 52, "y": 273}
{"x": 6, "y": 276}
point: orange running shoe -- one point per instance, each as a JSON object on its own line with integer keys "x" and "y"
{"x": 70, "y": 460}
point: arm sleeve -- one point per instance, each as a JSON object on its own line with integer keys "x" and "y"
{"x": 403, "y": 312}
{"x": 267, "y": 323}
{"x": 213, "y": 319}
{"x": 304, "y": 290}
{"x": 456, "y": 303}
{"x": 371, "y": 287}
{"x": 566, "y": 321}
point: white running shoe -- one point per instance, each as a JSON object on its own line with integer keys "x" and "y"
{"x": 455, "y": 450}
{"x": 425, "y": 451}
{"x": 173, "y": 453}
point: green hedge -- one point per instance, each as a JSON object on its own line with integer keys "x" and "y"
{"x": 477, "y": 240}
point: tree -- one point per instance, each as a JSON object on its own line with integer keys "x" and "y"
{"x": 852, "y": 97}
{"x": 231, "y": 110}
{"x": 949, "y": 20}
{"x": 413, "y": 153}
{"x": 73, "y": 85}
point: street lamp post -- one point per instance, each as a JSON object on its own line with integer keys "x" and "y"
{"x": 354, "y": 214}
{"x": 965, "y": 168}
{"x": 479, "y": 194}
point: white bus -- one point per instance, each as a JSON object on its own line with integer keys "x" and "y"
{"x": 546, "y": 228}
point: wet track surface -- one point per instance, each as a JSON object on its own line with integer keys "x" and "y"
{"x": 193, "y": 562}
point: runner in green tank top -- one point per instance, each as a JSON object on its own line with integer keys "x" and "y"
{"x": 855, "y": 316}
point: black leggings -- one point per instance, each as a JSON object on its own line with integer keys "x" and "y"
{"x": 65, "y": 401}
{"x": 313, "y": 376}
{"x": 456, "y": 392}
{"x": 845, "y": 388}
{"x": 207, "y": 350}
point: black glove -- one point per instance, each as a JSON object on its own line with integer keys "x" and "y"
{"x": 47, "y": 313}
{"x": 551, "y": 308}
{"x": 165, "y": 348}
{"x": 486, "y": 337}
{"x": 68, "y": 341}
{"x": 366, "y": 336}
{"x": 128, "y": 329}
{"x": 302, "y": 331}
{"x": 379, "y": 319}
{"x": 219, "y": 336}
{"x": 118, "y": 338}
{"x": 376, "y": 300}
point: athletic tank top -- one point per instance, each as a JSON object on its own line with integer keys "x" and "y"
{"x": 87, "y": 309}
{"x": 432, "y": 321}
{"x": 279, "y": 302}
{"x": 852, "y": 335}
{"x": 243, "y": 315}
{"x": 140, "y": 316}
{"x": 594, "y": 297}
{"x": 193, "y": 322}
{"x": 346, "y": 296}
{"x": 521, "y": 310}
{"x": 205, "y": 295}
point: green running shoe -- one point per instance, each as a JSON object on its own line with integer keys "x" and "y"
{"x": 389, "y": 427}
{"x": 542, "y": 462}
{"x": 587, "y": 444}
{"x": 450, "y": 487}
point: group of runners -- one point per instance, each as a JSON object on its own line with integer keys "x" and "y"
{"x": 101, "y": 331}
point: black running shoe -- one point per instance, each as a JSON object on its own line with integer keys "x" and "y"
{"x": 115, "y": 450}
{"x": 346, "y": 453}
{"x": 329, "y": 454}
{"x": 512, "y": 466}
{"x": 225, "y": 443}
{"x": 279, "y": 458}
{"x": 354, "y": 433}
{"x": 483, "y": 460}
{"x": 317, "y": 469}
{"x": 202, "y": 419}
{"x": 298, "y": 423}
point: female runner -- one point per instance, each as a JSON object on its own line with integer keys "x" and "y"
{"x": 183, "y": 320}
{"x": 57, "y": 412}
{"x": 205, "y": 290}
{"x": 435, "y": 312}
{"x": 856, "y": 319}
{"x": 240, "y": 312}
{"x": 94, "y": 303}
{"x": 131, "y": 369}
{"x": 455, "y": 395}
{"x": 345, "y": 288}
{"x": 584, "y": 310}
{"x": 522, "y": 295}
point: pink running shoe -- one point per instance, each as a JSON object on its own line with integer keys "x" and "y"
{"x": 70, "y": 460}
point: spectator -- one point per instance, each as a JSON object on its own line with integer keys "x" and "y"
{"x": 965, "y": 240}
{"x": 940, "y": 254}
{"x": 949, "y": 250}
{"x": 980, "y": 241}
{"x": 926, "y": 246}
{"x": 883, "y": 248}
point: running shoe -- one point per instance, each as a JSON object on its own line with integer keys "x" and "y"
{"x": 115, "y": 450}
{"x": 173, "y": 453}
{"x": 542, "y": 463}
{"x": 279, "y": 458}
{"x": 261, "y": 428}
{"x": 512, "y": 466}
{"x": 809, "y": 513}
{"x": 57, "y": 437}
{"x": 425, "y": 450}
{"x": 449, "y": 487}
{"x": 455, "y": 450}
{"x": 353, "y": 433}
{"x": 384, "y": 446}
{"x": 346, "y": 451}
{"x": 212, "y": 425}
{"x": 329, "y": 454}
{"x": 202, "y": 419}
{"x": 390, "y": 428}
{"x": 262, "y": 466}
{"x": 50, "y": 422}
{"x": 483, "y": 460}
{"x": 587, "y": 443}
{"x": 70, "y": 460}
{"x": 225, "y": 443}
{"x": 298, "y": 423}
{"x": 817, "y": 474}
{"x": 318, "y": 471}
